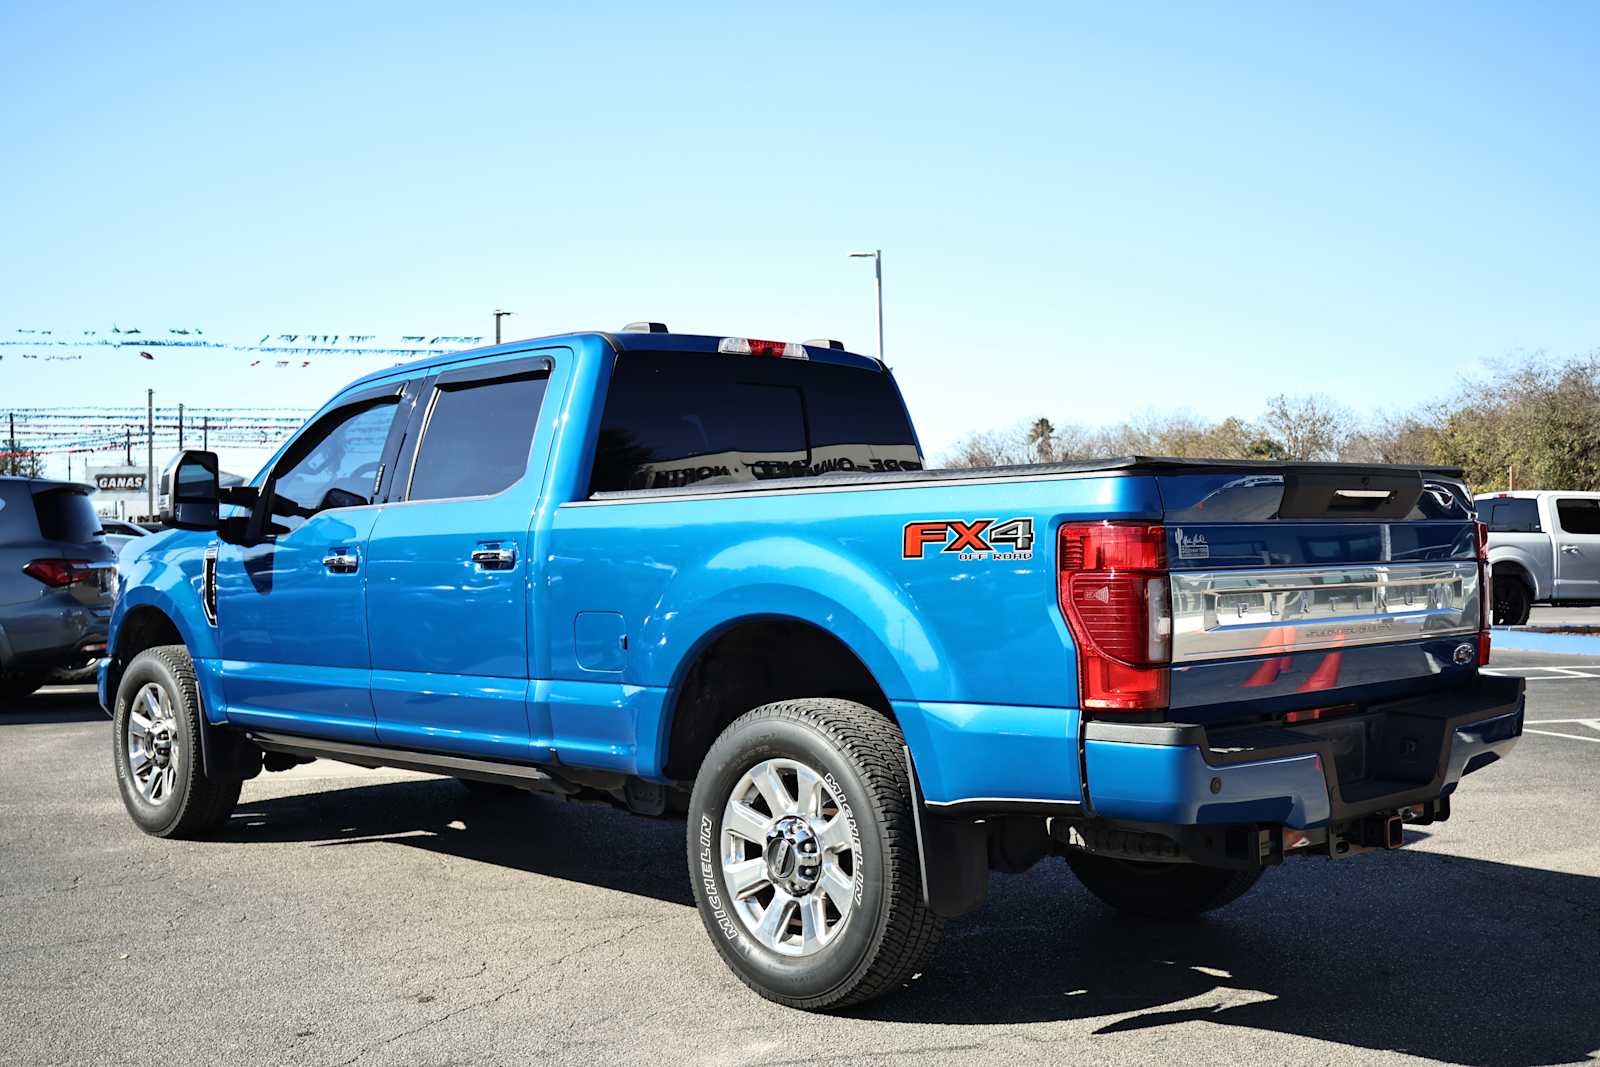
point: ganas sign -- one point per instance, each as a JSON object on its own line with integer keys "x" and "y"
{"x": 118, "y": 480}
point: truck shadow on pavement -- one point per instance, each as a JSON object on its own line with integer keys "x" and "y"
{"x": 1460, "y": 960}
{"x": 580, "y": 842}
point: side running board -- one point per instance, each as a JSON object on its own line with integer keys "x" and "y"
{"x": 517, "y": 774}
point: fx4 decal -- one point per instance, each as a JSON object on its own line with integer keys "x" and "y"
{"x": 977, "y": 539}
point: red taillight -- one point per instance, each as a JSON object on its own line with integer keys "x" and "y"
{"x": 58, "y": 573}
{"x": 1113, "y": 592}
{"x": 1485, "y": 592}
{"x": 750, "y": 346}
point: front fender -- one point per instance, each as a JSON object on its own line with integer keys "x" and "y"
{"x": 167, "y": 576}
{"x": 788, "y": 577}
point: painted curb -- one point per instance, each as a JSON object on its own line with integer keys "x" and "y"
{"x": 1534, "y": 641}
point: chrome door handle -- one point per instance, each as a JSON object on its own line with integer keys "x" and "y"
{"x": 1573, "y": 549}
{"x": 341, "y": 561}
{"x": 495, "y": 557}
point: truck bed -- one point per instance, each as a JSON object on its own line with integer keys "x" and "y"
{"x": 1114, "y": 465}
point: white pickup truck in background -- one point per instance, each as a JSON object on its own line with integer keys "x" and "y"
{"x": 1544, "y": 548}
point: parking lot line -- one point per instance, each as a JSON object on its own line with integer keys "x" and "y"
{"x": 1569, "y": 737}
{"x": 1561, "y": 673}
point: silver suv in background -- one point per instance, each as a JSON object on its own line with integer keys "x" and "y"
{"x": 1544, "y": 548}
{"x": 57, "y": 580}
{"x": 119, "y": 532}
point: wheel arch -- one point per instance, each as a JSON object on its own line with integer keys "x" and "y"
{"x": 731, "y": 669}
{"x": 140, "y": 627}
{"x": 1514, "y": 563}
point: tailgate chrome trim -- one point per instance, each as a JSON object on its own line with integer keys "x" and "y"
{"x": 1277, "y": 611}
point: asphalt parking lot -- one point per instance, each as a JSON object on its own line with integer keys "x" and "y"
{"x": 369, "y": 917}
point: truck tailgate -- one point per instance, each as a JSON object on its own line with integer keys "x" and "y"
{"x": 1319, "y": 585}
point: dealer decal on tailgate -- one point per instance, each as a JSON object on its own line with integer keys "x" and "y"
{"x": 974, "y": 539}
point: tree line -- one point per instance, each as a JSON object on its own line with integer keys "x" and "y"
{"x": 1528, "y": 422}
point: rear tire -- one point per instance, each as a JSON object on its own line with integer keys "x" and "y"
{"x": 825, "y": 909}
{"x": 14, "y": 685}
{"x": 1160, "y": 890}
{"x": 155, "y": 740}
{"x": 1513, "y": 603}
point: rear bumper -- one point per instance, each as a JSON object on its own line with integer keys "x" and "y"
{"x": 59, "y": 633}
{"x": 1414, "y": 751}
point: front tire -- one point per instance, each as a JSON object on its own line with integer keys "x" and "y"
{"x": 803, "y": 854}
{"x": 156, "y": 746}
{"x": 1160, "y": 890}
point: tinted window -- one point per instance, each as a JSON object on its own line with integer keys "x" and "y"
{"x": 65, "y": 515}
{"x": 683, "y": 419}
{"x": 1512, "y": 515}
{"x": 1579, "y": 516}
{"x": 477, "y": 438}
{"x": 341, "y": 467}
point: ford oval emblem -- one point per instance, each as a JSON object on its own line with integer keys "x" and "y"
{"x": 1464, "y": 654}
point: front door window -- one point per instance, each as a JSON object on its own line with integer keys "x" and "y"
{"x": 335, "y": 466}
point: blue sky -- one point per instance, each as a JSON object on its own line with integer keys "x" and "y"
{"x": 1085, "y": 211}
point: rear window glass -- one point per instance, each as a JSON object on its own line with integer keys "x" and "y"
{"x": 1579, "y": 516}
{"x": 1512, "y": 515}
{"x": 676, "y": 419}
{"x": 477, "y": 438}
{"x": 65, "y": 515}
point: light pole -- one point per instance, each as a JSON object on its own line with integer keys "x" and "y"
{"x": 498, "y": 315}
{"x": 150, "y": 451}
{"x": 876, "y": 255}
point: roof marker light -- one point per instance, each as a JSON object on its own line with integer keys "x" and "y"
{"x": 750, "y": 346}
{"x": 646, "y": 327}
{"x": 826, "y": 342}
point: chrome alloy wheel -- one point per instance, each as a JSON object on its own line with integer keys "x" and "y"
{"x": 153, "y": 749}
{"x": 789, "y": 857}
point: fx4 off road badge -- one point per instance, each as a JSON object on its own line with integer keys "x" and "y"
{"x": 975, "y": 539}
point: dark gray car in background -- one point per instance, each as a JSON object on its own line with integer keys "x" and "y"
{"x": 57, "y": 580}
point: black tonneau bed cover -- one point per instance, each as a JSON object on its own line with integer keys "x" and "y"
{"x": 1116, "y": 465}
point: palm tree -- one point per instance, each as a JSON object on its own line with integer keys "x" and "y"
{"x": 1042, "y": 439}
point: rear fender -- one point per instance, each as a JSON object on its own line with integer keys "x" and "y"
{"x": 1515, "y": 556}
{"x": 785, "y": 577}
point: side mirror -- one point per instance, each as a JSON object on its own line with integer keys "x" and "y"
{"x": 190, "y": 495}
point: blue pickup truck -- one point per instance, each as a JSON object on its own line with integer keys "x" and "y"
{"x": 709, "y": 577}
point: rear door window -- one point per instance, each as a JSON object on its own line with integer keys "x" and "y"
{"x": 1512, "y": 515}
{"x": 66, "y": 515}
{"x": 476, "y": 438}
{"x": 1579, "y": 516}
{"x": 677, "y": 419}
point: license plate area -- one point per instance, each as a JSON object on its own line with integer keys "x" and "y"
{"x": 1373, "y": 753}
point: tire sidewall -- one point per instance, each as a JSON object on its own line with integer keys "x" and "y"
{"x": 153, "y": 818}
{"x": 1517, "y": 600}
{"x": 838, "y": 964}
